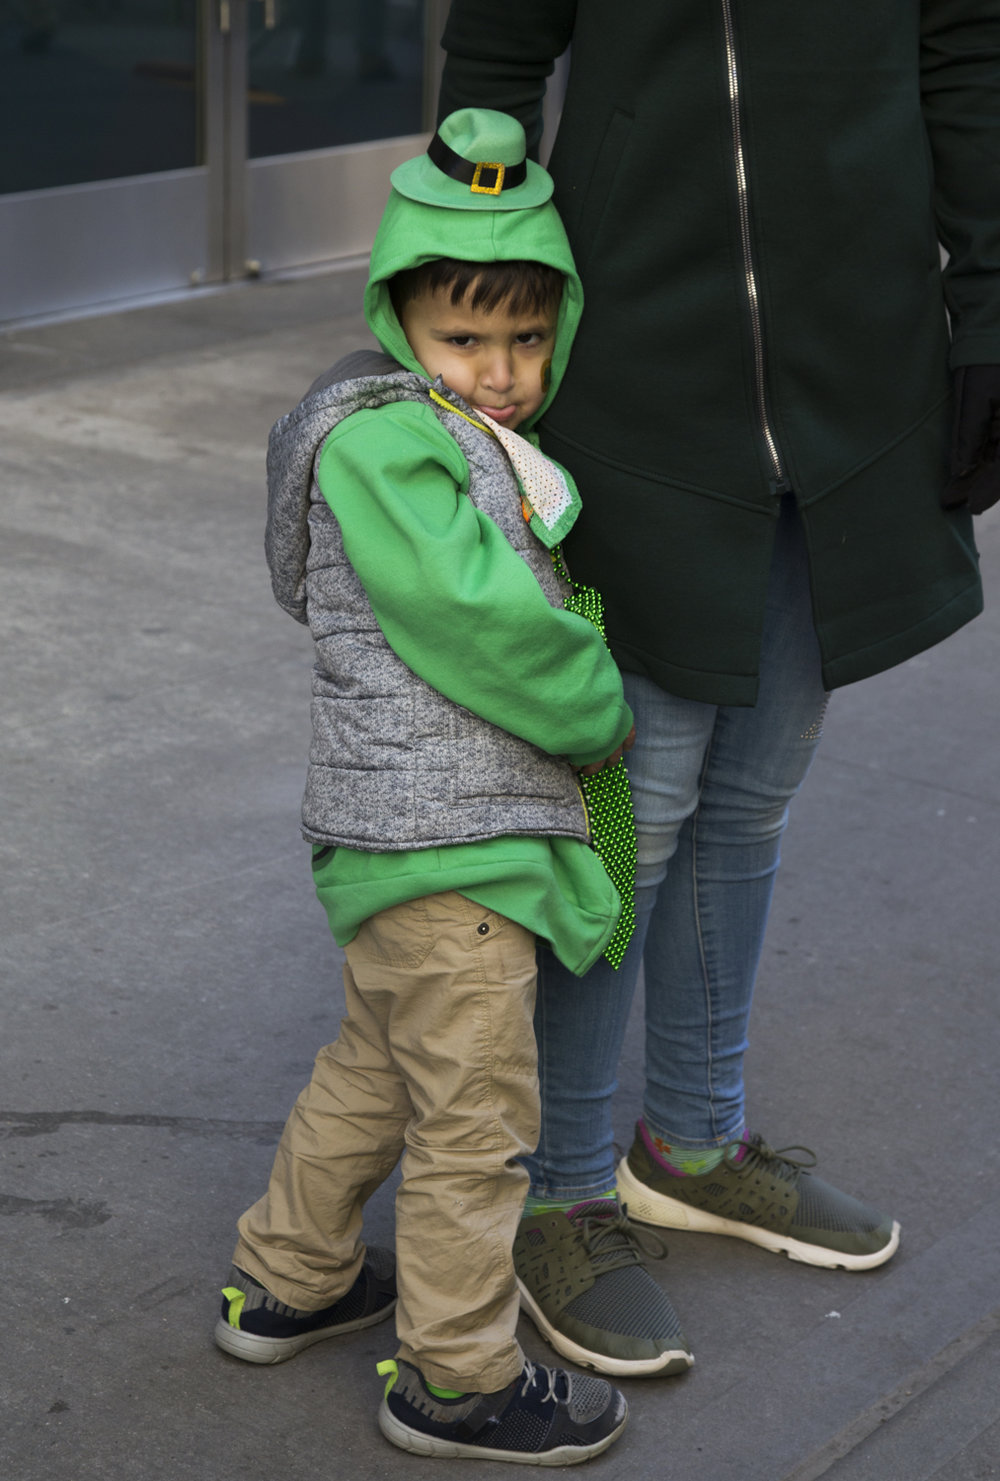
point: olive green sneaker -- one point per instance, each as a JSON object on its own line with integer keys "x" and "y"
{"x": 760, "y": 1195}
{"x": 584, "y": 1286}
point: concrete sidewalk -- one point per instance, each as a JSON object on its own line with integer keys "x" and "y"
{"x": 168, "y": 976}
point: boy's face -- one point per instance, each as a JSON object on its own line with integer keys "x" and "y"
{"x": 497, "y": 361}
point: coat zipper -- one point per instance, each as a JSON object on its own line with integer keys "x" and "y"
{"x": 780, "y": 481}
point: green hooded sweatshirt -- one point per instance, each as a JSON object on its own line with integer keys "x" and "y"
{"x": 462, "y": 610}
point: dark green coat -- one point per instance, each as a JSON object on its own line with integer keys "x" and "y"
{"x": 867, "y": 129}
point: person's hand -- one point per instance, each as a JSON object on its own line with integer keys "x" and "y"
{"x": 594, "y": 766}
{"x": 975, "y": 446}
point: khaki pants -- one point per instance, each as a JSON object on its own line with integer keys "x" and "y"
{"x": 436, "y": 1061}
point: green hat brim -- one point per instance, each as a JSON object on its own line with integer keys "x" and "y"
{"x": 420, "y": 180}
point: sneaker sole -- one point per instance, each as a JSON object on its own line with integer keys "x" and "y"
{"x": 417, "y": 1443}
{"x": 678, "y": 1360}
{"x": 254, "y": 1348}
{"x": 650, "y": 1207}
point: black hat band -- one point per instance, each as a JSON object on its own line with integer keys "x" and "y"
{"x": 486, "y": 177}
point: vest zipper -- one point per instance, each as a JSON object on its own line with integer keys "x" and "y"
{"x": 779, "y": 480}
{"x": 586, "y": 811}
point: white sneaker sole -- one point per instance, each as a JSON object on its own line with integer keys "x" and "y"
{"x": 677, "y": 1360}
{"x": 420, "y": 1444}
{"x": 650, "y": 1207}
{"x": 254, "y": 1348}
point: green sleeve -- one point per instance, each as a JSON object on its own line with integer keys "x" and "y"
{"x": 455, "y": 601}
{"x": 960, "y": 78}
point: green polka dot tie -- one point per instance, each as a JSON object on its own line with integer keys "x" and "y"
{"x": 551, "y": 503}
{"x": 606, "y": 794}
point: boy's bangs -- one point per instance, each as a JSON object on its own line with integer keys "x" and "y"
{"x": 520, "y": 287}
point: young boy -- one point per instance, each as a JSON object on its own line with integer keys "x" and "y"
{"x": 453, "y": 699}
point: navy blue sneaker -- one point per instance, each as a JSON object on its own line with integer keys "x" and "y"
{"x": 546, "y": 1417}
{"x": 258, "y": 1328}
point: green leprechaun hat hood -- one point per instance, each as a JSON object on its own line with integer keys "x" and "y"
{"x": 476, "y": 197}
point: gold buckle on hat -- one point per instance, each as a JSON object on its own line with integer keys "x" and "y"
{"x": 494, "y": 189}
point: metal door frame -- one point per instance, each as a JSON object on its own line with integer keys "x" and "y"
{"x": 291, "y": 213}
{"x": 103, "y": 244}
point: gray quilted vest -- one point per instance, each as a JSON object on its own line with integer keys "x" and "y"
{"x": 394, "y": 764}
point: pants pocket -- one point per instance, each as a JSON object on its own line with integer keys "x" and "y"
{"x": 401, "y": 936}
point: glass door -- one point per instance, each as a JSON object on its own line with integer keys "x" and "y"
{"x": 148, "y": 145}
{"x": 339, "y": 93}
{"x": 325, "y": 73}
{"x": 96, "y": 91}
{"x": 102, "y": 145}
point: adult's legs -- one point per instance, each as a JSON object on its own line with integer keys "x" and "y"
{"x": 580, "y": 1022}
{"x": 711, "y": 787}
{"x": 706, "y": 929}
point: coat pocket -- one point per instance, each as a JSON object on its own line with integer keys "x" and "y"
{"x": 600, "y": 186}
{"x": 933, "y": 242}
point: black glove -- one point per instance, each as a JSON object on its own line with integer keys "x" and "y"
{"x": 975, "y": 443}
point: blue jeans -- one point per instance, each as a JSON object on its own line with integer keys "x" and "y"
{"x": 711, "y": 786}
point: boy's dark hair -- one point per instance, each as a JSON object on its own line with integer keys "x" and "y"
{"x": 519, "y": 287}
